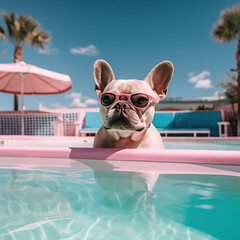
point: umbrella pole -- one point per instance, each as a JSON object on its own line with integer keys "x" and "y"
{"x": 22, "y": 110}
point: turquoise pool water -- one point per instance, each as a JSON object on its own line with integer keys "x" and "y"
{"x": 79, "y": 204}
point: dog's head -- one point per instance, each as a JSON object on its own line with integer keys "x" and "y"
{"x": 128, "y": 105}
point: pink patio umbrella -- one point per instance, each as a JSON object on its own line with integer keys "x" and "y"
{"x": 22, "y": 78}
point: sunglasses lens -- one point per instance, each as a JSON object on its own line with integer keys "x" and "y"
{"x": 139, "y": 100}
{"x": 107, "y": 99}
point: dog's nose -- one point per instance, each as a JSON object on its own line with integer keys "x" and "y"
{"x": 122, "y": 106}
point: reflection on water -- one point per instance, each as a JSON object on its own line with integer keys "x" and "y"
{"x": 87, "y": 204}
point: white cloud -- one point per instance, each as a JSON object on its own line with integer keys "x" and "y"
{"x": 90, "y": 50}
{"x": 217, "y": 95}
{"x": 76, "y": 102}
{"x": 200, "y": 80}
{"x": 42, "y": 107}
{"x": 57, "y": 105}
{"x": 191, "y": 74}
{"x": 80, "y": 101}
{"x": 204, "y": 83}
{"x": 198, "y": 77}
{"x": 91, "y": 101}
{"x": 48, "y": 50}
{"x": 53, "y": 105}
{"x": 74, "y": 95}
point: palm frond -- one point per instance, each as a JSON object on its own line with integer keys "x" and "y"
{"x": 3, "y": 52}
{"x": 223, "y": 34}
{"x": 9, "y": 21}
{"x": 24, "y": 30}
{"x": 29, "y": 24}
{"x": 2, "y": 33}
{"x": 232, "y": 19}
{"x": 228, "y": 28}
{"x": 39, "y": 38}
{"x": 231, "y": 87}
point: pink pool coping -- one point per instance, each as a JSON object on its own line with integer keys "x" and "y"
{"x": 23, "y": 163}
{"x": 214, "y": 157}
{"x": 204, "y": 162}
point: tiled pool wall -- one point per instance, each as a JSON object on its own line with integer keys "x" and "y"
{"x": 44, "y": 140}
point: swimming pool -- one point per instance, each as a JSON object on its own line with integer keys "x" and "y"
{"x": 72, "y": 198}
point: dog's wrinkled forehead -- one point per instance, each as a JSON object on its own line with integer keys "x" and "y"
{"x": 128, "y": 87}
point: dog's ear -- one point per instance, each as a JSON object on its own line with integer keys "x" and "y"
{"x": 103, "y": 74}
{"x": 159, "y": 78}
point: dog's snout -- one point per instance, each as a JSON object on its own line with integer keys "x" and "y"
{"x": 118, "y": 107}
{"x": 122, "y": 106}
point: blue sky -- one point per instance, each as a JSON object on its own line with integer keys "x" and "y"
{"x": 132, "y": 36}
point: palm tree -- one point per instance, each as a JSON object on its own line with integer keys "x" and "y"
{"x": 231, "y": 93}
{"x": 22, "y": 31}
{"x": 227, "y": 30}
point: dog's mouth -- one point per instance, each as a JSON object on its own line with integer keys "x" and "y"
{"x": 122, "y": 124}
{"x": 140, "y": 129}
{"x": 124, "y": 121}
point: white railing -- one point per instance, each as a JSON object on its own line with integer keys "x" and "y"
{"x": 35, "y": 123}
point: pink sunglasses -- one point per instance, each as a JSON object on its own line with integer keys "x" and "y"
{"x": 138, "y": 100}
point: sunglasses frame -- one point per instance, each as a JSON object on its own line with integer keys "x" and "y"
{"x": 128, "y": 96}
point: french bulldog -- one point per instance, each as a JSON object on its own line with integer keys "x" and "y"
{"x": 128, "y": 106}
{"x": 127, "y": 110}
